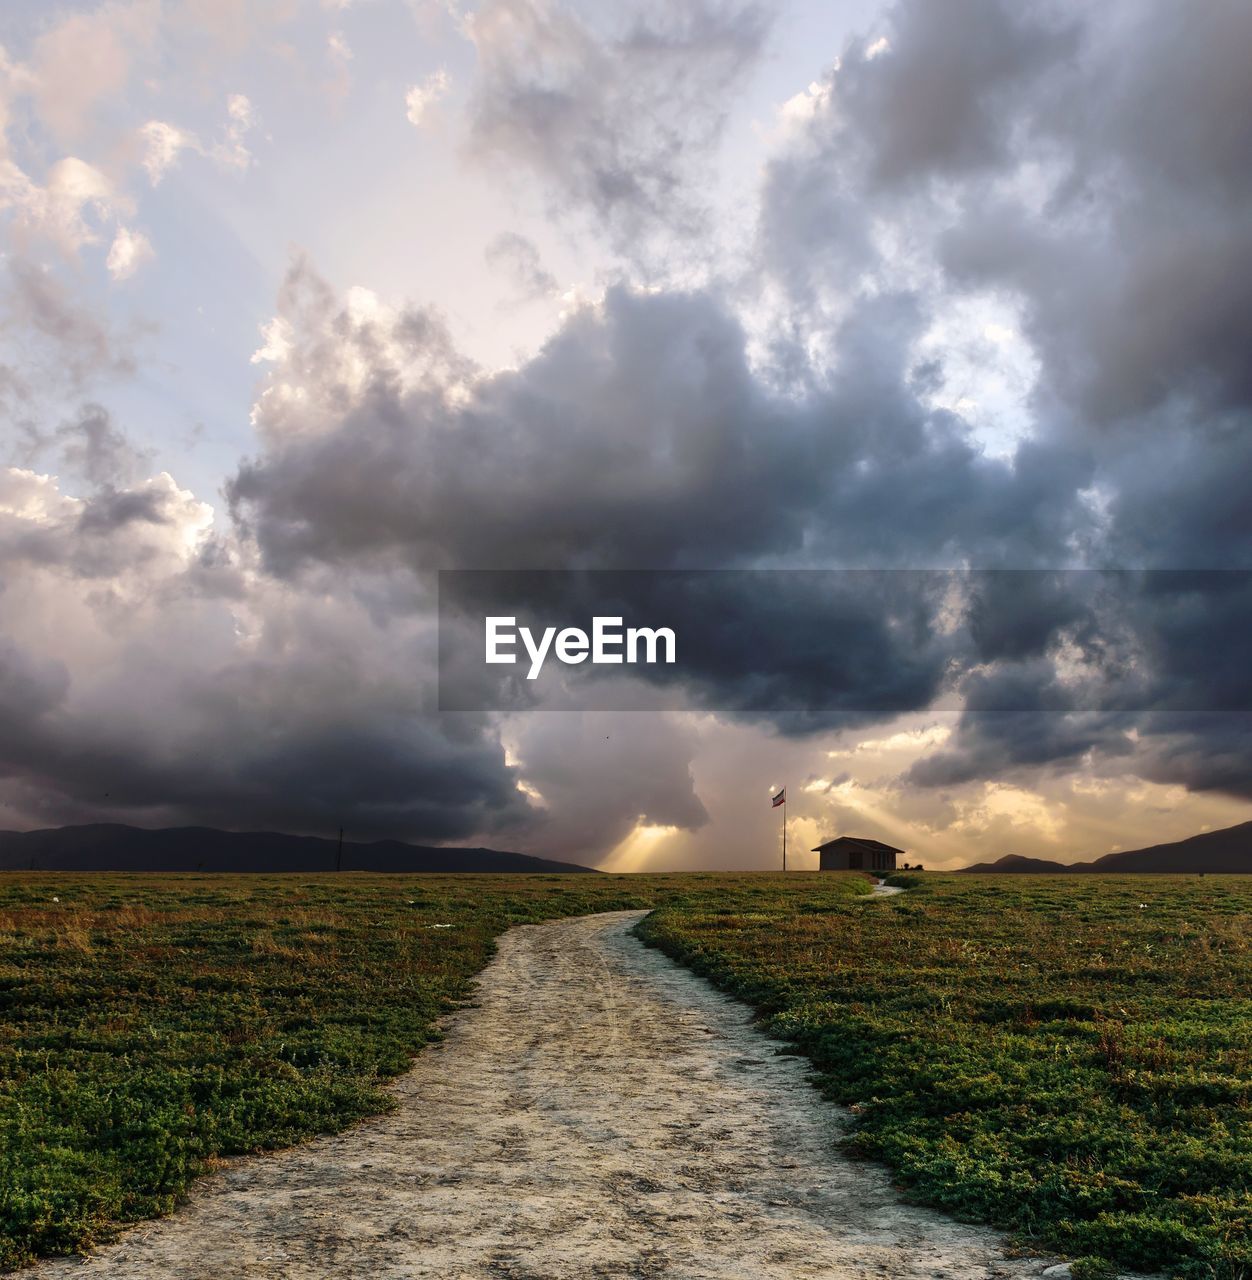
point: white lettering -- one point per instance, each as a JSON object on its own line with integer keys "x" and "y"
{"x": 650, "y": 637}
{"x": 572, "y": 645}
{"x": 537, "y": 655}
{"x": 495, "y": 639}
{"x": 601, "y": 637}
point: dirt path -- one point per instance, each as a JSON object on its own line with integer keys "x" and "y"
{"x": 600, "y": 1112}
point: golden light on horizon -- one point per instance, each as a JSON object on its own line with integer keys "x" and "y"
{"x": 632, "y": 853}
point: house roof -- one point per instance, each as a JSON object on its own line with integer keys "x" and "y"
{"x": 856, "y": 842}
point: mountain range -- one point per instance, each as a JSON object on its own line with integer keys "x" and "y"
{"x": 1216, "y": 852}
{"x": 113, "y": 847}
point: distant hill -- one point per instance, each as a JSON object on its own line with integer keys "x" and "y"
{"x": 113, "y": 847}
{"x": 1215, "y": 852}
{"x": 1016, "y": 862}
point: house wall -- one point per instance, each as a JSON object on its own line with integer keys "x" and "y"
{"x": 847, "y": 860}
{"x": 836, "y": 860}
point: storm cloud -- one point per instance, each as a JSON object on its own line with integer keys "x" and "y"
{"x": 1071, "y": 185}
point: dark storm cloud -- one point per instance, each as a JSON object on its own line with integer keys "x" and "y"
{"x": 210, "y": 694}
{"x": 262, "y": 743}
{"x": 639, "y": 437}
{"x": 933, "y": 101}
{"x": 1130, "y": 272}
{"x": 1199, "y": 730}
{"x": 1091, "y": 166}
{"x": 1101, "y": 181}
{"x": 1152, "y": 315}
{"x": 940, "y": 100}
{"x": 270, "y": 762}
{"x": 28, "y": 688}
{"x": 1092, "y": 163}
{"x": 1109, "y": 664}
{"x": 1085, "y": 167}
{"x": 631, "y": 439}
{"x": 1018, "y": 743}
{"x": 616, "y": 125}
{"x": 1200, "y": 751}
{"x": 798, "y": 649}
{"x": 1178, "y": 496}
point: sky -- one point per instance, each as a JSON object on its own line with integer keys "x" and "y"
{"x": 302, "y": 301}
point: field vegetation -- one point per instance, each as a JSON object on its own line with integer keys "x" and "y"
{"x": 150, "y": 1025}
{"x": 1071, "y": 1060}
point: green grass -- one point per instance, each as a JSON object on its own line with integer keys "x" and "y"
{"x": 150, "y": 1025}
{"x": 1045, "y": 1054}
{"x": 1042, "y": 1054}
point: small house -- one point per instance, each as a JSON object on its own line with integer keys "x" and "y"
{"x": 854, "y": 853}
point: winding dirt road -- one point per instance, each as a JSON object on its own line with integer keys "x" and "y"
{"x": 599, "y": 1112}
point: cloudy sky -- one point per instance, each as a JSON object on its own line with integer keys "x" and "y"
{"x": 305, "y": 300}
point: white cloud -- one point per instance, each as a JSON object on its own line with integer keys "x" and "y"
{"x": 339, "y": 56}
{"x": 27, "y": 495}
{"x": 129, "y": 250}
{"x": 421, "y": 97}
{"x": 68, "y": 209}
{"x": 905, "y": 740}
{"x": 231, "y": 152}
{"x": 277, "y": 335}
{"x": 128, "y": 536}
{"x": 162, "y": 142}
{"x": 15, "y": 79}
{"x": 800, "y": 108}
{"x": 1006, "y": 809}
{"x": 86, "y": 58}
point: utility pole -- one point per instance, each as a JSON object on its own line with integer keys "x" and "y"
{"x": 339, "y": 852}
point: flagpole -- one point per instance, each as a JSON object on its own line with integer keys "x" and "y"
{"x": 781, "y": 800}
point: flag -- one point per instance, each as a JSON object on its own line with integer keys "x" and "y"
{"x": 780, "y": 798}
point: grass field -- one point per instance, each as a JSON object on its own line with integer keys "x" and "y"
{"x": 1068, "y": 1058}
{"x": 149, "y": 1024}
{"x": 1043, "y": 1054}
